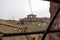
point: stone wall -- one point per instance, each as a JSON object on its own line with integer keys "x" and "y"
{"x": 56, "y": 24}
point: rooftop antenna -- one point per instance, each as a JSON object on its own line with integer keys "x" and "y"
{"x": 31, "y": 11}
{"x": 30, "y": 7}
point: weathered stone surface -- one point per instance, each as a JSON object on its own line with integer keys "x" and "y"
{"x": 56, "y": 24}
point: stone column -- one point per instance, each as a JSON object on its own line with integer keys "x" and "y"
{"x": 56, "y": 24}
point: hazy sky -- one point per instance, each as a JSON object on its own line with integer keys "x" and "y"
{"x": 15, "y": 9}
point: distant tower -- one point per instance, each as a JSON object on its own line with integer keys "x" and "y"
{"x": 31, "y": 16}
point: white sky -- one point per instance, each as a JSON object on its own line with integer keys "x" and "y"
{"x": 15, "y": 9}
